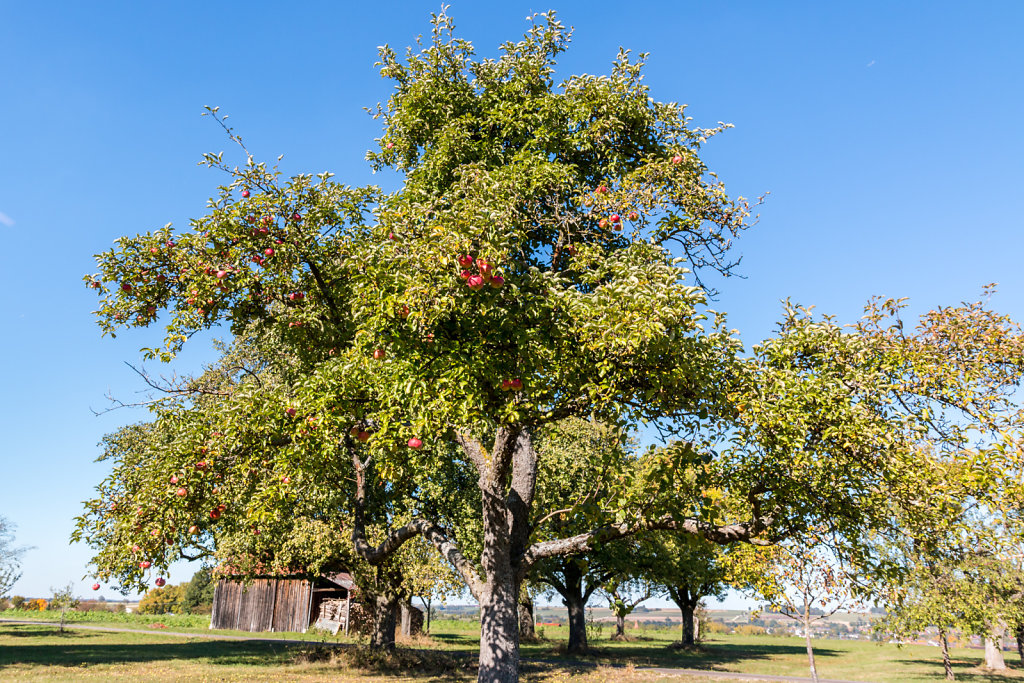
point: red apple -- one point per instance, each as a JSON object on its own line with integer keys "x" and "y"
{"x": 135, "y": 548}
{"x": 154, "y": 250}
{"x": 160, "y": 582}
{"x": 391, "y": 235}
{"x": 161, "y": 277}
{"x": 602, "y": 189}
{"x": 269, "y": 251}
{"x": 475, "y": 282}
{"x": 181, "y": 492}
{"x": 355, "y": 431}
{"x": 245, "y": 194}
{"x": 378, "y": 354}
{"x": 404, "y": 312}
{"x": 290, "y": 412}
{"x": 94, "y": 285}
{"x": 201, "y": 465}
{"x": 486, "y": 269}
{"x": 193, "y": 529}
{"x": 170, "y": 244}
{"x": 632, "y": 216}
{"x": 571, "y": 249}
{"x": 221, "y": 274}
{"x": 174, "y": 479}
{"x": 505, "y": 385}
{"x": 390, "y": 145}
{"x": 465, "y": 274}
{"x": 497, "y": 281}
{"x": 602, "y": 223}
{"x": 214, "y": 514}
{"x": 614, "y": 218}
{"x": 677, "y": 159}
{"x": 95, "y": 586}
{"x": 465, "y": 260}
{"x": 363, "y": 436}
{"x": 415, "y": 444}
{"x": 296, "y": 217}
{"x": 126, "y": 287}
{"x": 516, "y": 384}
{"x": 285, "y": 480}
{"x": 145, "y": 564}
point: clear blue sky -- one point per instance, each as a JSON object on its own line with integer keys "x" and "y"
{"x": 889, "y": 135}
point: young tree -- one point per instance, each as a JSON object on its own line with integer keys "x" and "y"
{"x": 624, "y": 594}
{"x": 63, "y": 599}
{"x": 810, "y": 586}
{"x": 926, "y": 598}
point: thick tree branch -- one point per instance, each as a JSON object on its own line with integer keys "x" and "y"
{"x": 434, "y": 533}
{"x": 741, "y": 532}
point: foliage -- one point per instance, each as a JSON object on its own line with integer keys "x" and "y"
{"x": 163, "y": 600}
{"x": 63, "y": 598}
{"x": 198, "y": 595}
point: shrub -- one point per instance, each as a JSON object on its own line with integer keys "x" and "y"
{"x": 749, "y": 630}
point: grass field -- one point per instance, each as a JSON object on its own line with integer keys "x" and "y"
{"x": 37, "y": 652}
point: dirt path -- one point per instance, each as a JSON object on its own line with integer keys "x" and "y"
{"x": 216, "y": 636}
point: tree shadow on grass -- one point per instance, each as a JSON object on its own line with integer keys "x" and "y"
{"x": 968, "y": 669}
{"x": 82, "y": 649}
{"x": 456, "y": 638}
{"x": 706, "y": 656}
{"x": 14, "y": 632}
{"x": 98, "y": 649}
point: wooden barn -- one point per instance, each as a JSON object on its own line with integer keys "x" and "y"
{"x": 283, "y": 603}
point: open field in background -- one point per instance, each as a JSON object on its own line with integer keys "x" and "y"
{"x": 37, "y": 652}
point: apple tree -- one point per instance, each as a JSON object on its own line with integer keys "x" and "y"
{"x": 524, "y": 273}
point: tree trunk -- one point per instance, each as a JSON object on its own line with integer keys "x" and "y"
{"x": 994, "y": 653}
{"x": 1019, "y": 634}
{"x": 946, "y": 663}
{"x": 405, "y": 608}
{"x": 384, "y": 609}
{"x": 577, "y": 624}
{"x": 807, "y": 637}
{"x": 686, "y": 632}
{"x": 499, "y": 632}
{"x": 527, "y": 631}
{"x": 620, "y": 626}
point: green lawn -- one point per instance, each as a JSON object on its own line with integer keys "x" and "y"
{"x": 37, "y": 652}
